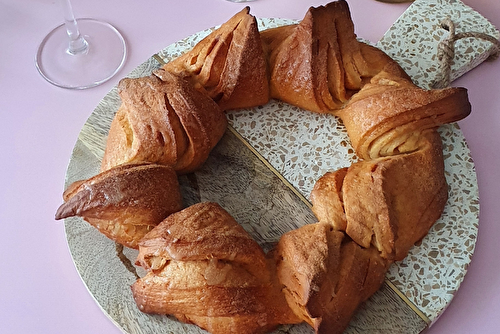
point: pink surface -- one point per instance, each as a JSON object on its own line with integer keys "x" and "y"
{"x": 40, "y": 290}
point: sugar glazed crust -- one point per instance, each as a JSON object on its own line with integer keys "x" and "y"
{"x": 202, "y": 267}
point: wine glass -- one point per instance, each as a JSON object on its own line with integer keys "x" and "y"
{"x": 72, "y": 59}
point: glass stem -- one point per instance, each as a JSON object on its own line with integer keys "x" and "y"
{"x": 77, "y": 44}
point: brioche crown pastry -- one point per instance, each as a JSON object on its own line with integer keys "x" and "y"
{"x": 204, "y": 268}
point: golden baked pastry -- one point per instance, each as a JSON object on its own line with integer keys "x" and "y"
{"x": 326, "y": 276}
{"x": 407, "y": 194}
{"x": 327, "y": 199}
{"x": 163, "y": 121}
{"x": 390, "y": 202}
{"x": 204, "y": 268}
{"x": 229, "y": 64}
{"x": 319, "y": 64}
{"x": 125, "y": 202}
{"x": 386, "y": 116}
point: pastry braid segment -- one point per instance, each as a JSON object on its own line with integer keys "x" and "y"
{"x": 390, "y": 202}
{"x": 200, "y": 232}
{"x": 229, "y": 64}
{"x": 318, "y": 64}
{"x": 327, "y": 199}
{"x": 202, "y": 120}
{"x": 416, "y": 188}
{"x": 204, "y": 268}
{"x": 144, "y": 127}
{"x": 385, "y": 117}
{"x": 125, "y": 202}
{"x": 326, "y": 276}
{"x": 163, "y": 121}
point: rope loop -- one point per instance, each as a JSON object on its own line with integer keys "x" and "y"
{"x": 446, "y": 51}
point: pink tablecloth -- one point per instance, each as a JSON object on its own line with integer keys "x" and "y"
{"x": 40, "y": 289}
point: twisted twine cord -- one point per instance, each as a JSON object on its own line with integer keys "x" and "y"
{"x": 446, "y": 51}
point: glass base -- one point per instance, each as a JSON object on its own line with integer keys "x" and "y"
{"x": 104, "y": 57}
